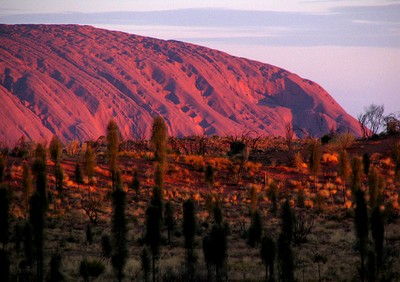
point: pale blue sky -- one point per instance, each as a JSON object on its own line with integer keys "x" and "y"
{"x": 351, "y": 48}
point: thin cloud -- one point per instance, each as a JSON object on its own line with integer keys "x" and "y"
{"x": 373, "y": 26}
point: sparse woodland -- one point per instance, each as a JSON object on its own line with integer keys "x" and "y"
{"x": 235, "y": 208}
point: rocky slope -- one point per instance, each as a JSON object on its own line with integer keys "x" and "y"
{"x": 70, "y": 80}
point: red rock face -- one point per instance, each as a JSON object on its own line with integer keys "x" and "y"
{"x": 70, "y": 80}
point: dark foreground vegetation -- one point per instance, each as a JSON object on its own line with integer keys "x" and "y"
{"x": 243, "y": 207}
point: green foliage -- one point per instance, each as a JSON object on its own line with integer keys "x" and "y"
{"x": 89, "y": 162}
{"x": 145, "y": 264}
{"x": 3, "y": 165}
{"x": 255, "y": 229}
{"x": 106, "y": 247}
{"x": 18, "y": 231}
{"x": 371, "y": 267}
{"x": 361, "y": 227}
{"x": 215, "y": 248}
{"x": 209, "y": 175}
{"x": 78, "y": 174}
{"x": 396, "y": 159}
{"x": 285, "y": 253}
{"x": 112, "y": 149}
{"x": 159, "y": 176}
{"x": 319, "y": 258}
{"x": 55, "y": 149}
{"x": 55, "y": 274}
{"x": 89, "y": 234}
{"x": 286, "y": 259}
{"x": 4, "y": 265}
{"x": 268, "y": 254}
{"x": 314, "y": 150}
{"x": 153, "y": 233}
{"x": 378, "y": 234}
{"x": 4, "y": 216}
{"x": 366, "y": 163}
{"x": 273, "y": 194}
{"x": 26, "y": 185}
{"x": 153, "y": 226}
{"x": 36, "y": 217}
{"x": 343, "y": 141}
{"x": 40, "y": 153}
{"x": 189, "y": 226}
{"x": 90, "y": 268}
{"x": 169, "y": 220}
{"x": 119, "y": 231}
{"x": 217, "y": 211}
{"x": 375, "y": 184}
{"x": 344, "y": 165}
{"x": 300, "y": 198}
{"x": 59, "y": 178}
{"x": 159, "y": 136}
{"x": 39, "y": 170}
{"x": 189, "y": 223}
{"x": 28, "y": 243}
{"x": 287, "y": 221}
{"x": 356, "y": 174}
{"x": 135, "y": 185}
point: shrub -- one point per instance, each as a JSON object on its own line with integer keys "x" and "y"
{"x": 343, "y": 141}
{"x": 91, "y": 268}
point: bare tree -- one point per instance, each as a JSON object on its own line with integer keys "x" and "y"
{"x": 372, "y": 120}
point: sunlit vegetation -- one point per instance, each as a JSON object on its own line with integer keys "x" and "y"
{"x": 201, "y": 209}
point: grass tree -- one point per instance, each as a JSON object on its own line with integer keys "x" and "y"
{"x": 268, "y": 254}
{"x": 215, "y": 244}
{"x": 37, "y": 219}
{"x": 78, "y": 174}
{"x": 26, "y": 185}
{"x": 4, "y": 216}
{"x": 112, "y": 149}
{"x": 189, "y": 225}
{"x": 59, "y": 179}
{"x": 2, "y": 168}
{"x": 159, "y": 137}
{"x": 135, "y": 184}
{"x": 89, "y": 164}
{"x": 356, "y": 174}
{"x": 119, "y": 233}
{"x": 55, "y": 149}
{"x": 361, "y": 228}
{"x": 314, "y": 160}
{"x": 366, "y": 160}
{"x": 169, "y": 220}
{"x": 378, "y": 234}
{"x": 153, "y": 227}
{"x": 38, "y": 208}
{"x": 344, "y": 170}
{"x": 28, "y": 243}
{"x": 39, "y": 170}
{"x": 375, "y": 183}
{"x": 285, "y": 252}
{"x": 255, "y": 229}
{"x": 145, "y": 264}
{"x": 55, "y": 274}
{"x": 5, "y": 264}
{"x": 209, "y": 175}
